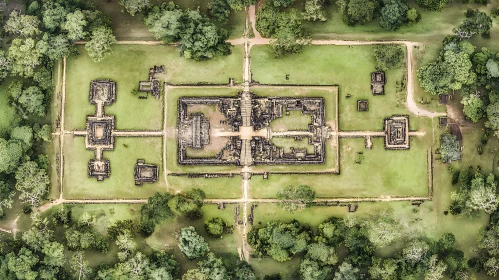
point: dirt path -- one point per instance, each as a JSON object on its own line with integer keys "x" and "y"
{"x": 129, "y": 43}
{"x": 61, "y": 129}
{"x": 252, "y": 19}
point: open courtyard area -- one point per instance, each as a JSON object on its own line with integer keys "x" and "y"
{"x": 240, "y": 140}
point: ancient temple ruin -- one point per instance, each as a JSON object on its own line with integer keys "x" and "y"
{"x": 397, "y": 133}
{"x": 99, "y": 128}
{"x": 378, "y": 81}
{"x": 152, "y": 85}
{"x": 248, "y": 119}
{"x": 145, "y": 173}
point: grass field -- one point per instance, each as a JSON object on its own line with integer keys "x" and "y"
{"x": 399, "y": 173}
{"x": 213, "y": 187}
{"x": 134, "y": 59}
{"x": 121, "y": 183}
{"x": 346, "y": 66}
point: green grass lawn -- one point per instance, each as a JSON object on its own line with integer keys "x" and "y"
{"x": 348, "y": 67}
{"x": 381, "y": 173}
{"x": 121, "y": 183}
{"x": 296, "y": 120}
{"x": 129, "y": 64}
{"x": 213, "y": 187}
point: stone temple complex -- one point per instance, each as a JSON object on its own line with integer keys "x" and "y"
{"x": 100, "y": 136}
{"x": 246, "y": 120}
{"x": 397, "y": 133}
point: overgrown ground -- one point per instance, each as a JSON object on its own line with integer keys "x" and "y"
{"x": 164, "y": 236}
{"x": 127, "y": 27}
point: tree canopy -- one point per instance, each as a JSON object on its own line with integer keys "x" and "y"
{"x": 296, "y": 197}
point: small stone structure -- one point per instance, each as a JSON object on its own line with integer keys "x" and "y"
{"x": 100, "y": 169}
{"x": 397, "y": 133}
{"x": 145, "y": 173}
{"x": 152, "y": 85}
{"x": 378, "y": 81}
{"x": 362, "y": 105}
{"x": 99, "y": 133}
{"x": 102, "y": 91}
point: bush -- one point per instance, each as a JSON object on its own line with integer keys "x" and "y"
{"x": 195, "y": 214}
{"x": 479, "y": 150}
{"x": 455, "y": 177}
{"x": 215, "y": 226}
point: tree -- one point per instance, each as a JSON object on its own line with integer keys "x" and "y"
{"x": 474, "y": 108}
{"x": 191, "y": 243}
{"x": 43, "y": 77}
{"x": 214, "y": 268}
{"x": 383, "y": 230}
{"x": 393, "y": 14}
{"x": 493, "y": 117}
{"x": 435, "y": 269}
{"x": 281, "y": 241}
{"x": 80, "y": 265}
{"x": 449, "y": 148}
{"x": 55, "y": 47}
{"x": 286, "y": 42}
{"x": 32, "y": 182}
{"x": 75, "y": 25}
{"x": 385, "y": 269}
{"x": 54, "y": 254}
{"x": 323, "y": 253}
{"x": 432, "y": 5}
{"x": 357, "y": 11}
{"x": 415, "y": 251}
{"x": 6, "y": 195}
{"x": 331, "y": 231}
{"x": 346, "y": 272}
{"x": 5, "y": 65}
{"x": 388, "y": 56}
{"x": 244, "y": 271}
{"x": 125, "y": 243}
{"x": 200, "y": 39}
{"x": 282, "y": 3}
{"x": 314, "y": 10}
{"x": 53, "y": 14}
{"x": 452, "y": 72}
{"x": 135, "y": 6}
{"x": 492, "y": 68}
{"x": 293, "y": 198}
{"x": 24, "y": 134}
{"x": 215, "y": 226}
{"x": 483, "y": 195}
{"x": 24, "y": 57}
{"x": 23, "y": 25}
{"x": 154, "y": 211}
{"x": 194, "y": 274}
{"x": 476, "y": 22}
{"x": 220, "y": 10}
{"x": 100, "y": 43}
{"x": 30, "y": 102}
{"x": 23, "y": 264}
{"x": 10, "y": 154}
{"x": 43, "y": 133}
{"x": 238, "y": 5}
{"x": 310, "y": 270}
{"x": 165, "y": 22}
